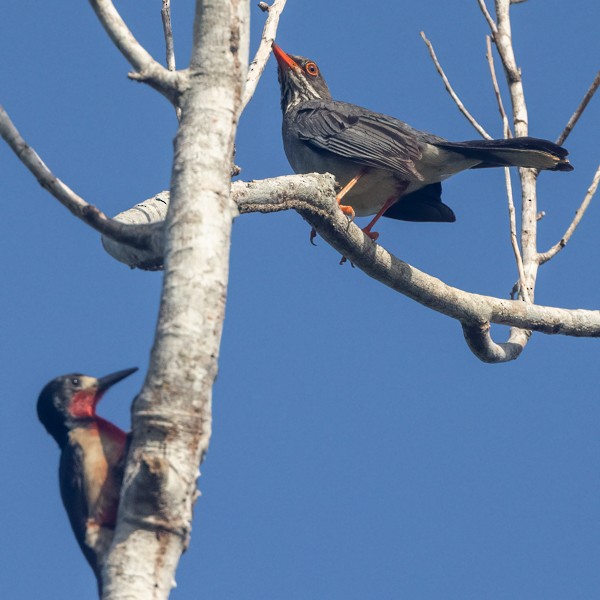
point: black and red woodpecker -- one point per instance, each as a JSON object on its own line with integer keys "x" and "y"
{"x": 93, "y": 453}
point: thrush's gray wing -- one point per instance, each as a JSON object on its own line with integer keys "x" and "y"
{"x": 355, "y": 133}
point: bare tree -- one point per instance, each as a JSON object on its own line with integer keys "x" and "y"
{"x": 186, "y": 232}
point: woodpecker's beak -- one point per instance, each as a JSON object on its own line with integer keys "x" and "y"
{"x": 283, "y": 60}
{"x": 109, "y": 380}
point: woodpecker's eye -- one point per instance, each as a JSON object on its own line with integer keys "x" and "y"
{"x": 311, "y": 68}
{"x": 75, "y": 380}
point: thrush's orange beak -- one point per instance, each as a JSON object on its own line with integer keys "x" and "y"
{"x": 283, "y": 60}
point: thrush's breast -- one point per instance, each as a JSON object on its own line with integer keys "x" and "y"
{"x": 366, "y": 197}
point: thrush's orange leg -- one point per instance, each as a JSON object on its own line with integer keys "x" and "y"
{"x": 373, "y": 234}
{"x": 347, "y": 210}
{"x": 391, "y": 200}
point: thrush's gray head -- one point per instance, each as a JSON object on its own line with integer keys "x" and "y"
{"x": 299, "y": 79}
{"x": 68, "y": 400}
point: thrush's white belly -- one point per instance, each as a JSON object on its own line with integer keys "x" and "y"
{"x": 370, "y": 192}
{"x": 376, "y": 186}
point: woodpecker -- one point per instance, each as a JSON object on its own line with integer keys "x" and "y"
{"x": 93, "y": 452}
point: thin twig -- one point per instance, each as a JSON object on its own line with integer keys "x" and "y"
{"x": 165, "y": 14}
{"x": 526, "y": 266}
{"x": 257, "y": 66}
{"x": 513, "y": 237}
{"x": 503, "y": 115}
{"x": 488, "y": 17}
{"x": 509, "y": 193}
{"x": 146, "y": 68}
{"x": 579, "y": 111}
{"x": 138, "y": 236}
{"x": 482, "y": 132}
{"x": 546, "y": 256}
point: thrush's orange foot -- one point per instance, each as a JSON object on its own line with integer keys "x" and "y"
{"x": 347, "y": 210}
{"x": 372, "y": 234}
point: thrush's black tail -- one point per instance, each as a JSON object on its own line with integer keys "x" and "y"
{"x": 515, "y": 152}
{"x": 423, "y": 205}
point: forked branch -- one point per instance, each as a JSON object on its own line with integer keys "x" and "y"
{"x": 143, "y": 237}
{"x": 147, "y": 69}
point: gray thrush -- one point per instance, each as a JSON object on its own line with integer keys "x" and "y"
{"x": 385, "y": 167}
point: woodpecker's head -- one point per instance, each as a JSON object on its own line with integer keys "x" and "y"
{"x": 71, "y": 399}
{"x": 299, "y": 79}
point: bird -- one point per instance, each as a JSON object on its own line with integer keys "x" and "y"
{"x": 92, "y": 457}
{"x": 384, "y": 166}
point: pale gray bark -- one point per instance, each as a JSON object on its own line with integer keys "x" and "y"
{"x": 172, "y": 415}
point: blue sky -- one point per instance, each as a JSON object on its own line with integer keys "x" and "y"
{"x": 359, "y": 448}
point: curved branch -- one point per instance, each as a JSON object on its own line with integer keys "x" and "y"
{"x": 142, "y": 237}
{"x": 482, "y": 345}
{"x": 315, "y": 201}
{"x": 147, "y": 69}
{"x": 313, "y": 197}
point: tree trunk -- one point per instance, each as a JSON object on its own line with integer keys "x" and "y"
{"x": 171, "y": 421}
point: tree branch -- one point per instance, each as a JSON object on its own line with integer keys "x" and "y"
{"x": 482, "y": 132}
{"x": 490, "y": 58}
{"x": 257, "y": 66}
{"x": 544, "y": 257}
{"x": 482, "y": 345}
{"x": 165, "y": 14}
{"x": 509, "y": 193}
{"x": 319, "y": 208}
{"x": 579, "y": 110}
{"x": 502, "y": 36}
{"x": 488, "y": 16}
{"x": 313, "y": 197}
{"x": 142, "y": 237}
{"x": 148, "y": 70}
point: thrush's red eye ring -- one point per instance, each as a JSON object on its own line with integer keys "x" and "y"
{"x": 311, "y": 68}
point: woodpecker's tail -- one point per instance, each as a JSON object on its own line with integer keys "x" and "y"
{"x": 527, "y": 152}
